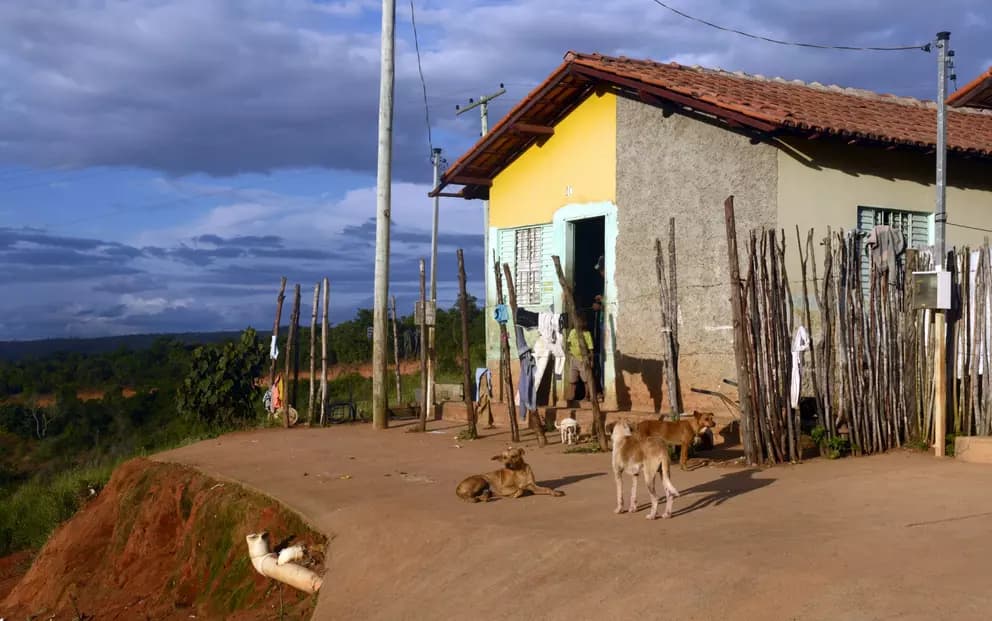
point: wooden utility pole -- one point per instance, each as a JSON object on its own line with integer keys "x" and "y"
{"x": 294, "y": 319}
{"x": 940, "y": 384}
{"x": 422, "y": 320}
{"x": 598, "y": 417}
{"x": 736, "y": 304}
{"x": 323, "y": 353}
{"x": 506, "y": 377}
{"x": 387, "y": 63}
{"x": 396, "y": 352}
{"x": 313, "y": 355}
{"x": 275, "y": 332}
{"x": 466, "y": 361}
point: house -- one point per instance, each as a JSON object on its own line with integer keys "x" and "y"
{"x": 596, "y": 159}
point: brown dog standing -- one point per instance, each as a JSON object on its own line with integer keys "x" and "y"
{"x": 515, "y": 478}
{"x": 682, "y": 431}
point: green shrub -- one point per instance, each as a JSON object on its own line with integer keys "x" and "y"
{"x": 35, "y": 508}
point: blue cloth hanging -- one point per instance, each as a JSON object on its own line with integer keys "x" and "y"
{"x": 502, "y": 313}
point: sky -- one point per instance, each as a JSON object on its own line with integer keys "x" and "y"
{"x": 164, "y": 162}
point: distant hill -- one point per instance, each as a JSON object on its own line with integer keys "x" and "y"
{"x": 12, "y": 351}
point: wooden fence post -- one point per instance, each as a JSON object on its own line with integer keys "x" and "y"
{"x": 294, "y": 318}
{"x": 599, "y": 418}
{"x": 396, "y": 352}
{"x": 504, "y": 346}
{"x": 275, "y": 331}
{"x": 668, "y": 332}
{"x": 423, "y": 348}
{"x": 312, "y": 396}
{"x": 466, "y": 360}
{"x": 743, "y": 375}
{"x": 323, "y": 352}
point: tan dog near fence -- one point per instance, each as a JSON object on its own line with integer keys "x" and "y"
{"x": 682, "y": 431}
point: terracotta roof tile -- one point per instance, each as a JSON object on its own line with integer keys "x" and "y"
{"x": 751, "y": 101}
{"x": 808, "y": 106}
{"x": 977, "y": 93}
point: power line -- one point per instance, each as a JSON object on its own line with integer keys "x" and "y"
{"x": 423, "y": 83}
{"x": 965, "y": 226}
{"x": 854, "y": 48}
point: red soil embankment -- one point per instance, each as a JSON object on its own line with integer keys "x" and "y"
{"x": 163, "y": 541}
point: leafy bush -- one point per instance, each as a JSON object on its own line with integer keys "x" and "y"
{"x": 220, "y": 388}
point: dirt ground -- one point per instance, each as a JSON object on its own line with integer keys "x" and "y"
{"x": 899, "y": 536}
{"x": 160, "y": 541}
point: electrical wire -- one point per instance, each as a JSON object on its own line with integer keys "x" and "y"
{"x": 853, "y": 48}
{"x": 423, "y": 83}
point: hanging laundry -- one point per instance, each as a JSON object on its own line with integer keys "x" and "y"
{"x": 480, "y": 374}
{"x": 885, "y": 244}
{"x": 277, "y": 394}
{"x": 549, "y": 329}
{"x": 273, "y": 348}
{"x": 526, "y": 318}
{"x": 800, "y": 343}
{"x": 526, "y": 388}
{"x": 501, "y": 313}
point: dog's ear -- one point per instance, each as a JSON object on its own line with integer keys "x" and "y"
{"x": 521, "y": 451}
{"x": 697, "y": 415}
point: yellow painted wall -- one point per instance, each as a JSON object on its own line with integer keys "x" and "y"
{"x": 582, "y": 155}
{"x": 822, "y": 184}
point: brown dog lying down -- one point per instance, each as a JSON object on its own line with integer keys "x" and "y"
{"x": 515, "y": 478}
{"x": 682, "y": 431}
{"x": 637, "y": 454}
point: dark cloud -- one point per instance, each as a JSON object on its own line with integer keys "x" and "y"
{"x": 229, "y": 87}
{"x": 218, "y": 283}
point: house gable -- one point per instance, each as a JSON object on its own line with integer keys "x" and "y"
{"x": 575, "y": 165}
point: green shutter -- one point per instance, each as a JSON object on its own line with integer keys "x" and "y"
{"x": 915, "y": 227}
{"x": 527, "y": 295}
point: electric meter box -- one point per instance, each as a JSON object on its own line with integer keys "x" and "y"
{"x": 932, "y": 290}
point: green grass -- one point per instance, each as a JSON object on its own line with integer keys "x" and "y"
{"x": 591, "y": 447}
{"x": 35, "y": 508}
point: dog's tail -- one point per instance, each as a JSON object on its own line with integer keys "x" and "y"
{"x": 666, "y": 466}
{"x": 558, "y": 425}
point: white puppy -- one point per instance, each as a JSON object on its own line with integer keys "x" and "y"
{"x": 569, "y": 428}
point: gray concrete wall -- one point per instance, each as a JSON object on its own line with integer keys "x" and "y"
{"x": 682, "y": 167}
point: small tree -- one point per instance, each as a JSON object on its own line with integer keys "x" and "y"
{"x": 220, "y": 388}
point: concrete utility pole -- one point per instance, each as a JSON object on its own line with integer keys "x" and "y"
{"x": 483, "y": 105}
{"x": 940, "y": 213}
{"x": 431, "y": 354}
{"x": 940, "y": 248}
{"x": 387, "y": 65}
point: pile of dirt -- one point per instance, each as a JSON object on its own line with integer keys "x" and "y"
{"x": 162, "y": 541}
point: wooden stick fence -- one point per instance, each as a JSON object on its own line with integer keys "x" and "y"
{"x": 872, "y": 361}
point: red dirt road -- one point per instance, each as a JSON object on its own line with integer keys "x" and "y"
{"x": 901, "y": 536}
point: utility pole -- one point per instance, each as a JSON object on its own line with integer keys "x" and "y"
{"x": 387, "y": 66}
{"x": 483, "y": 105}
{"x": 940, "y": 213}
{"x": 940, "y": 248}
{"x": 431, "y": 354}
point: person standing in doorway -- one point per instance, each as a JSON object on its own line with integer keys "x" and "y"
{"x": 597, "y": 325}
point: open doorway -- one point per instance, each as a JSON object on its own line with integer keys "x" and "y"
{"x": 588, "y": 279}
